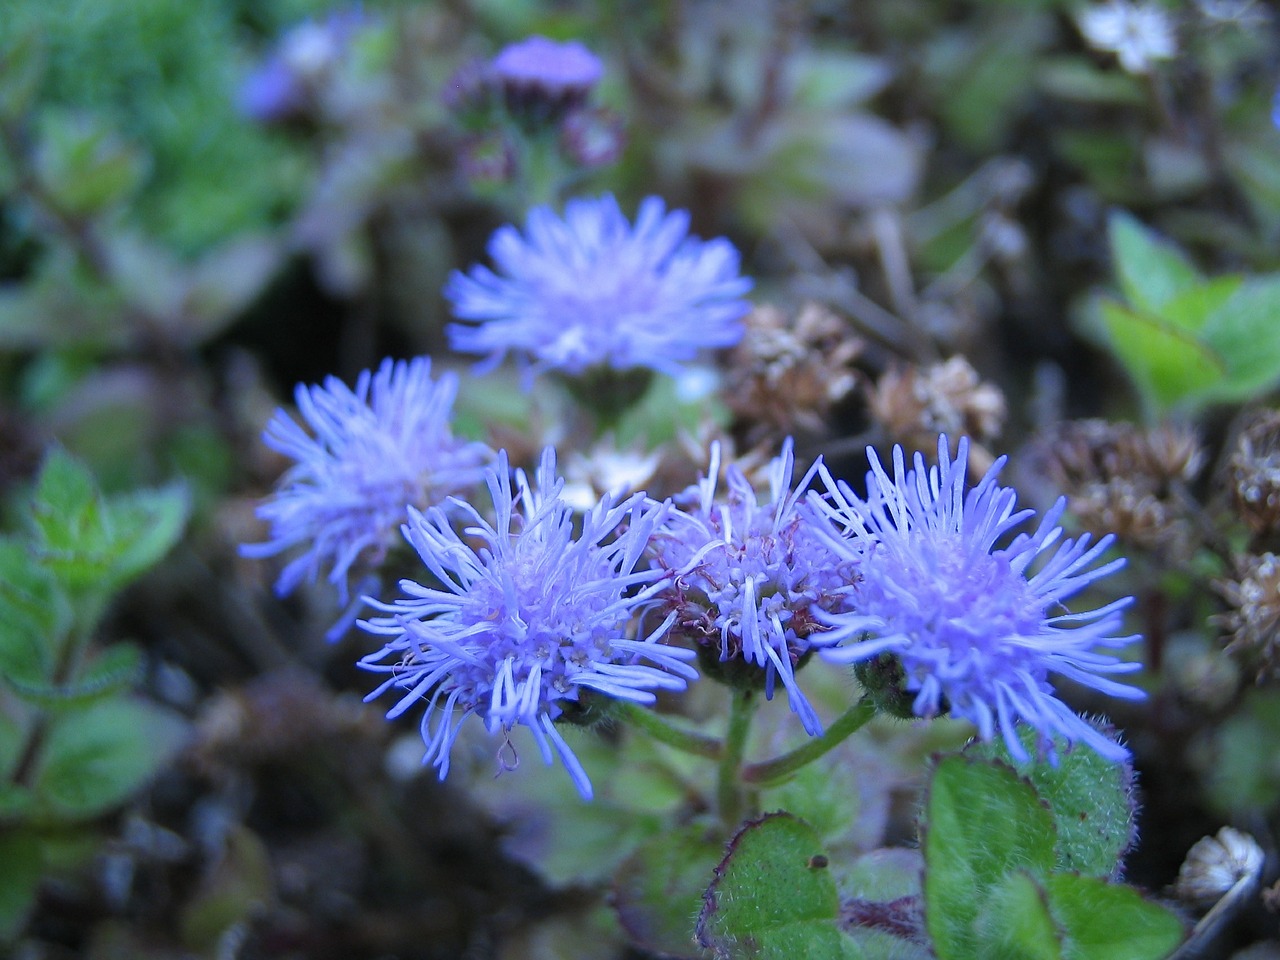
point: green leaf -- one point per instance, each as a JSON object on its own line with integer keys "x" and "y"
{"x": 34, "y": 615}
{"x": 1167, "y": 364}
{"x": 71, "y": 522}
{"x": 835, "y": 78}
{"x": 84, "y": 165}
{"x": 117, "y": 668}
{"x": 1014, "y": 922}
{"x": 1245, "y": 331}
{"x": 19, "y": 880}
{"x": 1150, "y": 269}
{"x": 981, "y": 823}
{"x": 22, "y": 61}
{"x": 1105, "y": 921}
{"x": 658, "y": 890}
{"x": 16, "y": 803}
{"x": 1075, "y": 78}
{"x": 96, "y": 758}
{"x": 1091, "y": 799}
{"x": 983, "y": 80}
{"x": 1192, "y": 309}
{"x": 773, "y": 897}
{"x": 550, "y": 829}
{"x": 147, "y": 525}
{"x": 1241, "y": 757}
{"x": 99, "y": 545}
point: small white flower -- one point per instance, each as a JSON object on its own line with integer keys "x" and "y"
{"x": 1138, "y": 34}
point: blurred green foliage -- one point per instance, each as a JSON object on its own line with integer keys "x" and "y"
{"x": 1186, "y": 339}
{"x": 75, "y": 743}
{"x": 163, "y": 76}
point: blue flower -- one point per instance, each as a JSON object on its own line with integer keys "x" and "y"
{"x": 541, "y": 79}
{"x": 524, "y": 616}
{"x": 753, "y": 579}
{"x": 369, "y": 454}
{"x": 593, "y": 291}
{"x": 977, "y": 626}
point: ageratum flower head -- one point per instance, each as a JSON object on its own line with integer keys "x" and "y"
{"x": 978, "y": 620}
{"x": 540, "y": 79}
{"x": 524, "y": 615}
{"x": 591, "y": 290}
{"x": 752, "y": 578}
{"x": 368, "y": 454}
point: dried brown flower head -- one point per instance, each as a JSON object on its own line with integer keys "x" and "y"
{"x": 1253, "y": 619}
{"x": 790, "y": 369}
{"x": 915, "y": 404}
{"x": 1121, "y": 478}
{"x": 1254, "y": 471}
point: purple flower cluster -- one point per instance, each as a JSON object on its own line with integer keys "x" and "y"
{"x": 753, "y": 580}
{"x": 369, "y": 454}
{"x": 977, "y": 620}
{"x": 523, "y": 615}
{"x": 591, "y": 290}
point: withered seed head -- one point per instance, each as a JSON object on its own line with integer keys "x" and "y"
{"x": 1121, "y": 478}
{"x": 915, "y": 404}
{"x": 1253, "y": 619}
{"x": 1254, "y": 470}
{"x": 790, "y": 369}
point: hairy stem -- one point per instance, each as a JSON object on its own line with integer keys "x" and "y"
{"x": 780, "y": 768}
{"x": 665, "y": 732}
{"x": 729, "y": 786}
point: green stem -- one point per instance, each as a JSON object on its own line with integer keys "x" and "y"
{"x": 664, "y": 732}
{"x": 70, "y": 659}
{"x": 729, "y": 793}
{"x": 780, "y": 768}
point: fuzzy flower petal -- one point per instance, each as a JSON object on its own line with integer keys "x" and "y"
{"x": 363, "y": 456}
{"x": 753, "y": 578}
{"x": 593, "y": 290}
{"x": 515, "y": 628}
{"x": 978, "y": 626}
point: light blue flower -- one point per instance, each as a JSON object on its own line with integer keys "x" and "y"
{"x": 524, "y": 615}
{"x": 362, "y": 458}
{"x": 752, "y": 579}
{"x": 978, "y": 619}
{"x": 591, "y": 290}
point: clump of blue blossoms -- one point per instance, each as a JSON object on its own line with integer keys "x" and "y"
{"x": 977, "y": 626}
{"x": 752, "y": 580}
{"x": 591, "y": 290}
{"x": 363, "y": 457}
{"x": 517, "y": 628}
